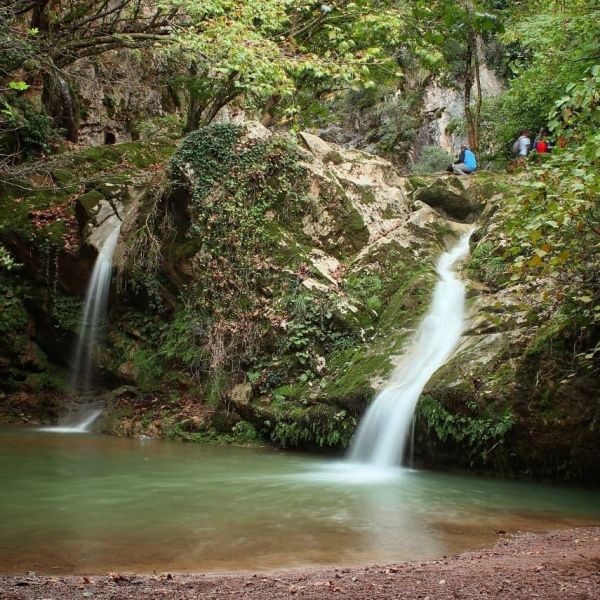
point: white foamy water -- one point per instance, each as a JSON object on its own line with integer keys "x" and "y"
{"x": 80, "y": 422}
{"x": 382, "y": 435}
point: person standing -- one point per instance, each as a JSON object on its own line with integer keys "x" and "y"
{"x": 469, "y": 164}
{"x": 541, "y": 143}
{"x": 523, "y": 144}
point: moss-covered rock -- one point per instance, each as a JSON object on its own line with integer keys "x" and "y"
{"x": 45, "y": 209}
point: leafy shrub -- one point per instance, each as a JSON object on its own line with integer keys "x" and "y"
{"x": 161, "y": 129}
{"x": 245, "y": 432}
{"x": 24, "y": 130}
{"x": 323, "y": 426}
{"x": 6, "y": 260}
{"x": 367, "y": 287}
{"x": 433, "y": 159}
{"x": 477, "y": 434}
{"x": 400, "y": 120}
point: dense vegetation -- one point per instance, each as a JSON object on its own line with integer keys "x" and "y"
{"x": 224, "y": 324}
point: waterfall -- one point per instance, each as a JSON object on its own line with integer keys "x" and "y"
{"x": 382, "y": 435}
{"x": 92, "y": 318}
{"x": 94, "y": 311}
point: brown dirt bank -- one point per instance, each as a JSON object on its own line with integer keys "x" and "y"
{"x": 560, "y": 564}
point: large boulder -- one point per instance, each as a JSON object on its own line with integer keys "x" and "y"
{"x": 450, "y": 196}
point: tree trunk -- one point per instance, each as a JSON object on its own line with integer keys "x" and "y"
{"x": 268, "y": 115}
{"x": 472, "y": 77}
{"x": 193, "y": 114}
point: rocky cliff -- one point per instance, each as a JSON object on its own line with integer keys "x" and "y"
{"x": 264, "y": 285}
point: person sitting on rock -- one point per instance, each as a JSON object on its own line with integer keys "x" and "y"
{"x": 468, "y": 164}
{"x": 461, "y": 159}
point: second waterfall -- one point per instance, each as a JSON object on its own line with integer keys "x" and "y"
{"x": 382, "y": 436}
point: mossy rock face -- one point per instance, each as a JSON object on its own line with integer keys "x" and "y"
{"x": 516, "y": 398}
{"x": 303, "y": 276}
{"x": 333, "y": 224}
{"x": 500, "y": 414}
{"x": 88, "y": 201}
{"x": 415, "y": 182}
{"x": 42, "y": 228}
{"x": 31, "y": 337}
{"x": 112, "y": 187}
{"x": 139, "y": 155}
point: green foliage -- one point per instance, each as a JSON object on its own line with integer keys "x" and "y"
{"x": 210, "y": 154}
{"x": 553, "y": 228}
{"x": 19, "y": 86}
{"x": 235, "y": 190}
{"x": 24, "y": 130}
{"x": 180, "y": 345}
{"x": 7, "y": 262}
{"x": 487, "y": 264}
{"x": 312, "y": 331}
{"x": 244, "y": 432}
{"x": 160, "y": 129}
{"x": 14, "y": 321}
{"x": 540, "y": 76}
{"x": 323, "y": 426}
{"x": 286, "y": 55}
{"x": 66, "y": 312}
{"x": 148, "y": 368}
{"x": 400, "y": 120}
{"x": 367, "y": 287}
{"x": 13, "y": 316}
{"x": 433, "y": 160}
{"x": 49, "y": 380}
{"x": 479, "y": 435}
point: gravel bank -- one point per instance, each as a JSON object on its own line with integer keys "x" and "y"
{"x": 559, "y": 564}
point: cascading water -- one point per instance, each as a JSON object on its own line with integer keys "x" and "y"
{"x": 382, "y": 435}
{"x": 94, "y": 312}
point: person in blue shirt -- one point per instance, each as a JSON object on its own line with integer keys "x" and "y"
{"x": 468, "y": 165}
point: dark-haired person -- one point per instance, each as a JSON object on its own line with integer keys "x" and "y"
{"x": 541, "y": 143}
{"x": 468, "y": 164}
{"x": 460, "y": 160}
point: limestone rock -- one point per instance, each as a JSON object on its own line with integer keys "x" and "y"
{"x": 240, "y": 394}
{"x": 449, "y": 196}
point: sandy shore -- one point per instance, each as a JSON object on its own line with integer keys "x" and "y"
{"x": 560, "y": 564}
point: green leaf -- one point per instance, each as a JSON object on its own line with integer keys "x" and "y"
{"x": 18, "y": 85}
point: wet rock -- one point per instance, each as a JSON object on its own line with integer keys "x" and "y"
{"x": 125, "y": 391}
{"x": 154, "y": 430}
{"x": 127, "y": 371}
{"x": 193, "y": 423}
{"x": 86, "y": 204}
{"x": 449, "y": 196}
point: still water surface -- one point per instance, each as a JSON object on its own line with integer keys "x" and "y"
{"x": 91, "y": 504}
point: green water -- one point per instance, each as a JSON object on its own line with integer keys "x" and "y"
{"x": 91, "y": 504}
